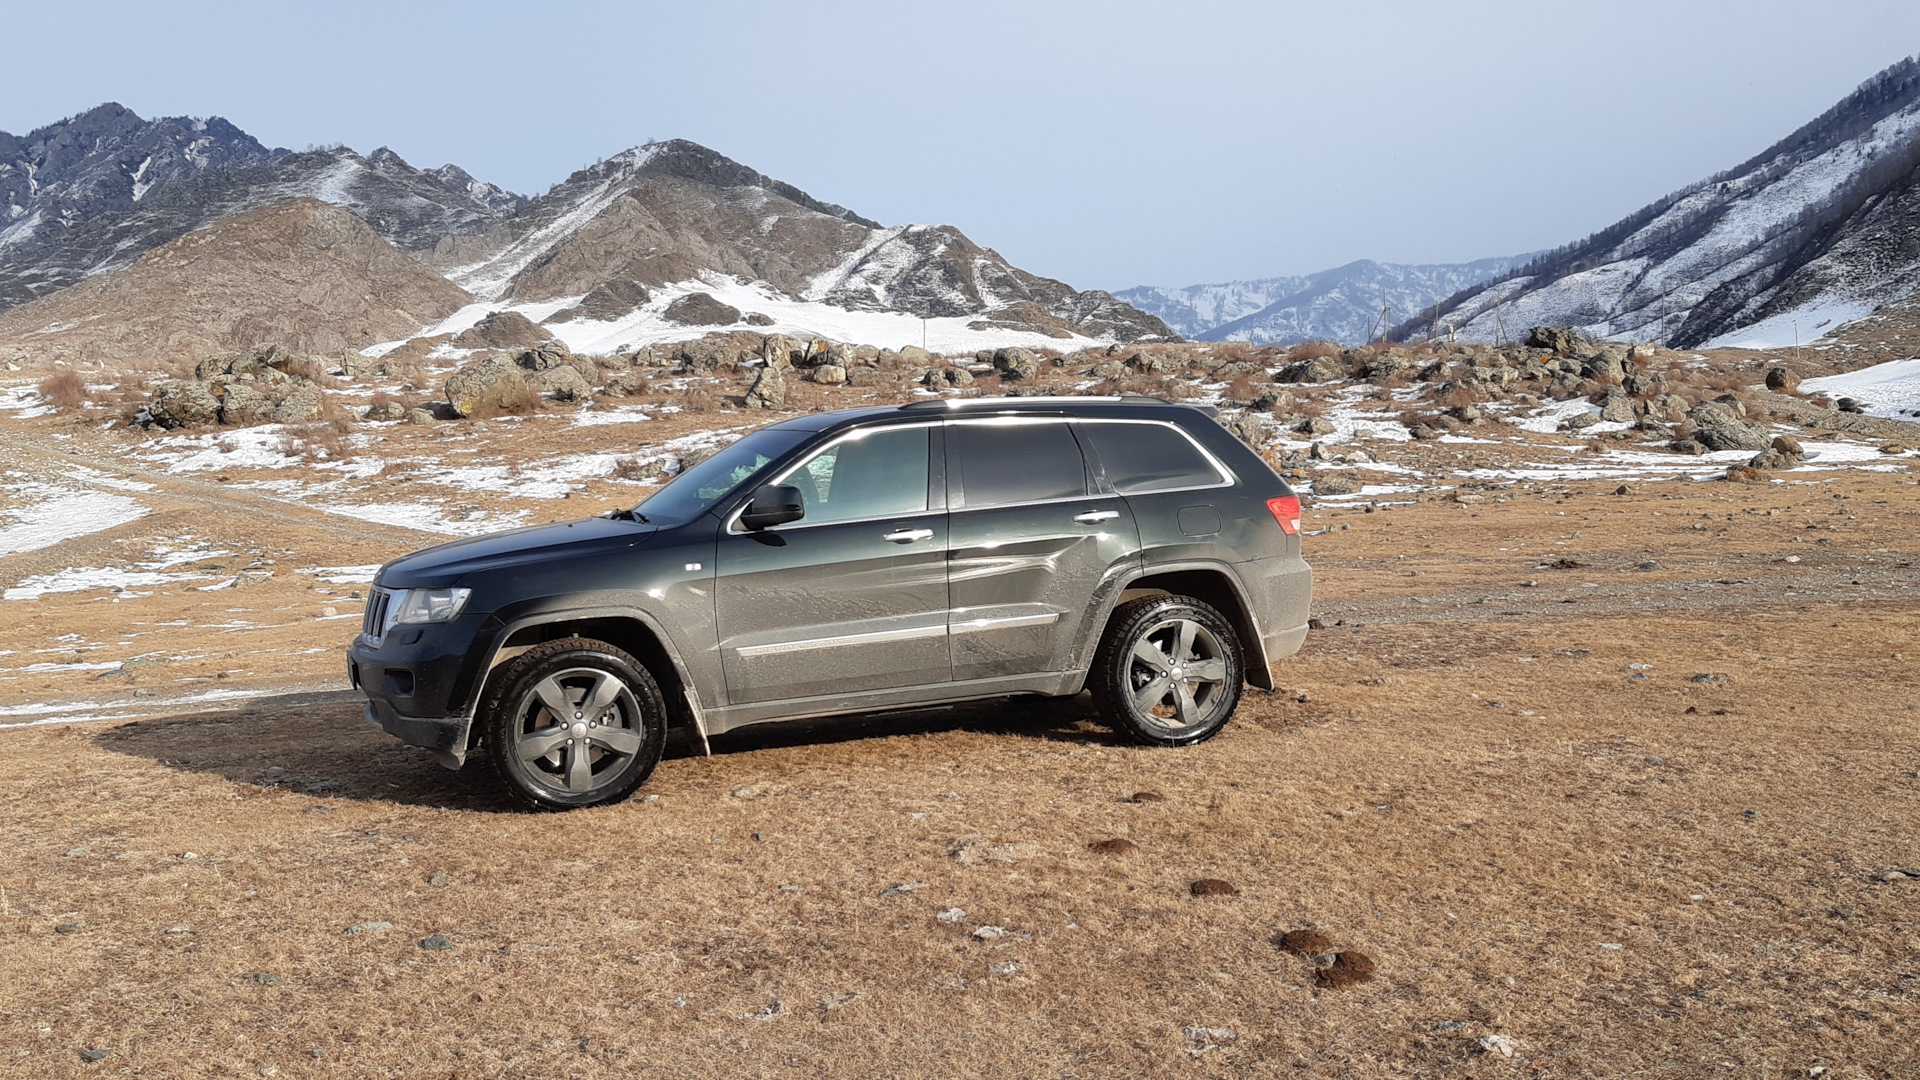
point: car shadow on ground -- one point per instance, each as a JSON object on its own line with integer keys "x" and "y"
{"x": 328, "y": 751}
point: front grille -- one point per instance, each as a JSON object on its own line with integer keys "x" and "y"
{"x": 376, "y": 621}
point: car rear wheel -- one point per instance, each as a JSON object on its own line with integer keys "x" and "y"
{"x": 1168, "y": 672}
{"x": 574, "y": 723}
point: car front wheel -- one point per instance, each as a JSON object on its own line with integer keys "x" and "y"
{"x": 574, "y": 723}
{"x": 1168, "y": 672}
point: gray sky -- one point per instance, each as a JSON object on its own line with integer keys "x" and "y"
{"x": 1108, "y": 144}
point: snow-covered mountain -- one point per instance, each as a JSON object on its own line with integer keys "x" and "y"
{"x": 1818, "y": 229}
{"x": 91, "y": 194}
{"x": 1343, "y": 304}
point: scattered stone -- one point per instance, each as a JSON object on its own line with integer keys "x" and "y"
{"x": 370, "y": 928}
{"x": 1212, "y": 887}
{"x": 1893, "y": 876}
{"x": 1649, "y": 564}
{"x": 1116, "y": 846}
{"x": 91, "y": 1056}
{"x": 1496, "y": 1045}
{"x": 436, "y": 943}
{"x": 948, "y": 377}
{"x": 952, "y": 915}
{"x": 1788, "y": 446}
{"x": 1016, "y": 364}
{"x": 840, "y": 1002}
{"x": 1317, "y": 370}
{"x": 988, "y": 933}
{"x": 440, "y": 879}
{"x": 1623, "y": 490}
{"x": 1347, "y": 969}
{"x": 1712, "y": 678}
{"x": 1334, "y": 484}
{"x": 267, "y": 978}
{"x": 1782, "y": 381}
{"x": 1851, "y": 405}
{"x": 1654, "y": 759}
{"x": 902, "y": 890}
{"x": 770, "y": 1012}
{"x": 1318, "y": 425}
{"x": 1210, "y": 1034}
{"x": 420, "y": 417}
{"x": 1745, "y": 474}
{"x": 1305, "y": 942}
{"x": 1421, "y": 432}
{"x": 752, "y": 791}
{"x": 832, "y": 375}
{"x": 1686, "y": 446}
{"x": 1734, "y": 435}
{"x": 69, "y": 927}
{"x": 1316, "y": 624}
{"x": 562, "y": 383}
{"x": 1146, "y": 797}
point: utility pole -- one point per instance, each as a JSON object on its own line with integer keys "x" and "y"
{"x": 923, "y": 332}
{"x": 1499, "y": 324}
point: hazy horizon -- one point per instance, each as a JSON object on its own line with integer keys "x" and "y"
{"x": 1108, "y": 145}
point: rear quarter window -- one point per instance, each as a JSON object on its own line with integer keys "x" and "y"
{"x": 1000, "y": 464}
{"x": 1140, "y": 458}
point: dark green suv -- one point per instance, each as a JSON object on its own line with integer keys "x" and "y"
{"x": 846, "y": 562}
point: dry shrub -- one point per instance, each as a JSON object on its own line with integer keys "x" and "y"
{"x": 1236, "y": 352}
{"x": 1455, "y": 398}
{"x": 64, "y": 390}
{"x": 381, "y": 399}
{"x": 699, "y": 399}
{"x": 1307, "y": 407}
{"x": 633, "y": 468}
{"x": 1170, "y": 389}
{"x": 1311, "y": 350}
{"x": 407, "y": 370}
{"x": 505, "y": 397}
{"x": 322, "y": 440}
{"x": 306, "y": 367}
{"x": 1241, "y": 389}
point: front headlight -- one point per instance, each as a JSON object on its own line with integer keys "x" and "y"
{"x": 431, "y": 605}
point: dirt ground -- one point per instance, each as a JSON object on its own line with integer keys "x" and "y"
{"x": 1601, "y": 784}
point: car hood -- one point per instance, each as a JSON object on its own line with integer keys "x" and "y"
{"x": 443, "y": 565}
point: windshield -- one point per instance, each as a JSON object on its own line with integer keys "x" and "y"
{"x": 694, "y": 491}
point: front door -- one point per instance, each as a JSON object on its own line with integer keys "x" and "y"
{"x": 851, "y": 597}
{"x": 1034, "y": 556}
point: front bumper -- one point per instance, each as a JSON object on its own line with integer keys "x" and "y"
{"x": 446, "y": 738}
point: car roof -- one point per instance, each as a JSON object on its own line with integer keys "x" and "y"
{"x": 940, "y": 408}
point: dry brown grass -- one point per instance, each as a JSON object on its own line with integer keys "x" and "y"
{"x": 64, "y": 390}
{"x": 505, "y": 397}
{"x": 699, "y": 399}
{"x": 1311, "y": 350}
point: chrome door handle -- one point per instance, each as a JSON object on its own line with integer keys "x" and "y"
{"x": 908, "y": 536}
{"x": 1092, "y": 517}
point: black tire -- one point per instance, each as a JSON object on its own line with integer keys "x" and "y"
{"x": 616, "y": 749}
{"x": 1147, "y": 692}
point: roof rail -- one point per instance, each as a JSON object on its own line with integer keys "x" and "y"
{"x": 1069, "y": 399}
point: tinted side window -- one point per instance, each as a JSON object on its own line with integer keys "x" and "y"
{"x": 1016, "y": 463}
{"x": 1149, "y": 457}
{"x": 881, "y": 475}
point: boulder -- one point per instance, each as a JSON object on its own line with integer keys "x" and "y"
{"x": 184, "y": 403}
{"x": 1788, "y": 445}
{"x": 302, "y": 404}
{"x": 828, "y": 375}
{"x": 1421, "y": 432}
{"x": 781, "y": 351}
{"x": 870, "y": 376}
{"x": 1734, "y": 435}
{"x": 915, "y": 356}
{"x": 700, "y": 309}
{"x": 1249, "y": 428}
{"x": 1562, "y": 340}
{"x": 1782, "y": 381}
{"x": 1686, "y": 446}
{"x": 1580, "y": 421}
{"x": 562, "y": 383}
{"x": 467, "y": 387}
{"x": 1107, "y": 369}
{"x": 502, "y": 330}
{"x": 1317, "y": 370}
{"x": 707, "y": 356}
{"x": 769, "y": 390}
{"x": 545, "y": 357}
{"x": 627, "y": 386}
{"x": 948, "y": 377}
{"x": 1617, "y": 408}
{"x": 242, "y": 403}
{"x": 754, "y": 318}
{"x": 606, "y": 302}
{"x": 1015, "y": 364}
{"x": 387, "y": 410}
{"x": 1318, "y": 425}
{"x": 1334, "y": 484}
{"x": 1772, "y": 459}
{"x": 419, "y": 416}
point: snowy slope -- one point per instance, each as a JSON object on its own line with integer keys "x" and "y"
{"x": 1820, "y": 227}
{"x": 1342, "y": 304}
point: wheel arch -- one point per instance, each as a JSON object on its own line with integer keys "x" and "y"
{"x": 1212, "y": 584}
{"x": 629, "y": 631}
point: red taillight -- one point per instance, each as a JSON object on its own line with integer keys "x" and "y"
{"x": 1286, "y": 511}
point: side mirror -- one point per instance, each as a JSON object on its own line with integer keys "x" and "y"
{"x": 774, "y": 504}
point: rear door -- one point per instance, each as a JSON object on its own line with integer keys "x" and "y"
{"x": 1033, "y": 551}
{"x": 853, "y": 596}
{"x": 1182, "y": 497}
